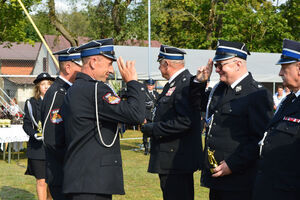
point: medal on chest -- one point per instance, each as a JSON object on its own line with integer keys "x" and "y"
{"x": 170, "y": 91}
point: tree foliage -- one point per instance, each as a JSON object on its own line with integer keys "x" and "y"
{"x": 194, "y": 24}
{"x": 198, "y": 24}
{"x": 13, "y": 21}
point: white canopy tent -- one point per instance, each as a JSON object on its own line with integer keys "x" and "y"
{"x": 261, "y": 65}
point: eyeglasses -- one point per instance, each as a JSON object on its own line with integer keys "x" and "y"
{"x": 220, "y": 65}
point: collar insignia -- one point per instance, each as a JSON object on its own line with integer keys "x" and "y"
{"x": 238, "y": 88}
{"x": 172, "y": 84}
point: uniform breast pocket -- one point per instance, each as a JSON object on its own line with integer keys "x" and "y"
{"x": 290, "y": 128}
{"x": 232, "y": 109}
{"x": 111, "y": 160}
{"x": 165, "y": 100}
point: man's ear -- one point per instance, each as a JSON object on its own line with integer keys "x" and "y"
{"x": 68, "y": 68}
{"x": 167, "y": 63}
{"x": 92, "y": 62}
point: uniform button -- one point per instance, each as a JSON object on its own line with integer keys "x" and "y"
{"x": 214, "y": 123}
{"x": 116, "y": 161}
{"x": 160, "y": 136}
{"x": 259, "y": 171}
{"x": 286, "y": 128}
{"x": 230, "y": 110}
{"x": 216, "y": 111}
{"x": 171, "y": 150}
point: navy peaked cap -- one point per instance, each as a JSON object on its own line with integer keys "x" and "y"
{"x": 69, "y": 54}
{"x": 290, "y": 52}
{"x": 43, "y": 76}
{"x": 104, "y": 47}
{"x": 171, "y": 53}
{"x": 226, "y": 50}
{"x": 150, "y": 81}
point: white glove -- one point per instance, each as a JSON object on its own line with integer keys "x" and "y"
{"x": 39, "y": 138}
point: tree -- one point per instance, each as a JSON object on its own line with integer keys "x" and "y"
{"x": 14, "y": 21}
{"x": 110, "y": 19}
{"x": 199, "y": 23}
{"x": 290, "y": 11}
{"x": 42, "y": 21}
{"x": 60, "y": 27}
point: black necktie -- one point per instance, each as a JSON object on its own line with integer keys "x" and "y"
{"x": 151, "y": 94}
{"x": 166, "y": 88}
{"x": 289, "y": 98}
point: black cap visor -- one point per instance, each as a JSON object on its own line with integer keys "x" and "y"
{"x": 109, "y": 54}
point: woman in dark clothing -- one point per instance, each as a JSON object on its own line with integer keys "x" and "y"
{"x": 35, "y": 150}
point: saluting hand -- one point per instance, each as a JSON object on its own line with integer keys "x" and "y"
{"x": 204, "y": 72}
{"x": 222, "y": 170}
{"x": 128, "y": 71}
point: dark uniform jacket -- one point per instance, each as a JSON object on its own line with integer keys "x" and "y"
{"x": 176, "y": 145}
{"x": 53, "y": 131}
{"x": 35, "y": 148}
{"x": 278, "y": 174}
{"x": 89, "y": 166}
{"x": 240, "y": 118}
{"x": 150, "y": 103}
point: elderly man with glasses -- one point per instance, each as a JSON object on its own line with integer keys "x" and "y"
{"x": 237, "y": 111}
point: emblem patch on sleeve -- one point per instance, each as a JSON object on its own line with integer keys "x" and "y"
{"x": 55, "y": 117}
{"x": 111, "y": 98}
{"x": 170, "y": 91}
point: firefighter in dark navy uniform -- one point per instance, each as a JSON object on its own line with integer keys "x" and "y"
{"x": 53, "y": 131}
{"x": 237, "y": 111}
{"x": 33, "y": 127}
{"x": 278, "y": 174}
{"x": 175, "y": 151}
{"x": 151, "y": 97}
{"x": 91, "y": 112}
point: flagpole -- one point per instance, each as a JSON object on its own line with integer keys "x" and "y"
{"x": 149, "y": 37}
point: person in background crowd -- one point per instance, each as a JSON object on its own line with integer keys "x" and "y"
{"x": 287, "y": 91}
{"x": 237, "y": 111}
{"x": 32, "y": 126}
{"x": 176, "y": 145}
{"x": 91, "y": 112}
{"x": 151, "y": 97}
{"x": 53, "y": 132}
{"x": 278, "y": 96}
{"x": 278, "y": 174}
{"x": 14, "y": 108}
{"x": 123, "y": 95}
{"x": 203, "y": 112}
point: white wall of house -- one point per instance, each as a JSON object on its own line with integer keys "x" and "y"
{"x": 43, "y": 53}
{"x": 24, "y": 92}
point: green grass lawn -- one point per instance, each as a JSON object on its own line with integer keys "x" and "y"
{"x": 139, "y": 184}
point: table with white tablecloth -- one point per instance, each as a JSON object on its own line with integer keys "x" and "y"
{"x": 14, "y": 136}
